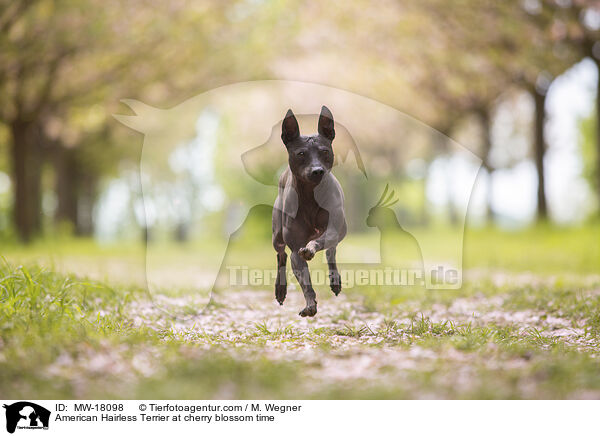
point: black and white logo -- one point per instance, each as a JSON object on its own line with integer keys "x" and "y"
{"x": 26, "y": 415}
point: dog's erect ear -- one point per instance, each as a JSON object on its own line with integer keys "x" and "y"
{"x": 289, "y": 128}
{"x": 326, "y": 124}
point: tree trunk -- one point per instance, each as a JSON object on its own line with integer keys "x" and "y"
{"x": 26, "y": 171}
{"x": 442, "y": 148}
{"x": 65, "y": 168}
{"x": 539, "y": 153}
{"x": 86, "y": 200}
{"x": 486, "y": 126}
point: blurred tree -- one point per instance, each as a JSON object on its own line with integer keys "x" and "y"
{"x": 78, "y": 171}
{"x": 576, "y": 25}
{"x": 469, "y": 86}
{"x": 589, "y": 152}
{"x": 58, "y": 58}
{"x": 53, "y": 53}
{"x": 510, "y": 43}
{"x": 545, "y": 56}
{"x": 64, "y": 64}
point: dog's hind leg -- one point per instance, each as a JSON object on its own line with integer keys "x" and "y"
{"x": 335, "y": 280}
{"x": 301, "y": 272}
{"x": 281, "y": 281}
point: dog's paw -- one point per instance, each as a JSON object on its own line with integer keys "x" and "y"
{"x": 335, "y": 281}
{"x": 306, "y": 253}
{"x": 280, "y": 293}
{"x": 308, "y": 311}
{"x": 336, "y": 289}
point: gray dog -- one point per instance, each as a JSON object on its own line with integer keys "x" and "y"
{"x": 308, "y": 215}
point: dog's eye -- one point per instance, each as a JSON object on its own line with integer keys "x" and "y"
{"x": 324, "y": 152}
{"x": 301, "y": 154}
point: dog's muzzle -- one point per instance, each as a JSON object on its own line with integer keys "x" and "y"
{"x": 316, "y": 174}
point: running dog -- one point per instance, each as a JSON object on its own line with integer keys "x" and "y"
{"x": 308, "y": 214}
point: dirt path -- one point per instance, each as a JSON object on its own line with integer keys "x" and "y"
{"x": 446, "y": 350}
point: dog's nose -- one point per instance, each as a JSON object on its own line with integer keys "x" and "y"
{"x": 317, "y": 172}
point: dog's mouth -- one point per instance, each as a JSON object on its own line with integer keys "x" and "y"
{"x": 315, "y": 179}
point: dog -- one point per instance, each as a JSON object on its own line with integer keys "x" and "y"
{"x": 308, "y": 214}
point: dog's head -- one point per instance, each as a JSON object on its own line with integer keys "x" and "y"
{"x": 309, "y": 157}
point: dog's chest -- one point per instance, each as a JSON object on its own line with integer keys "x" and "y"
{"x": 313, "y": 218}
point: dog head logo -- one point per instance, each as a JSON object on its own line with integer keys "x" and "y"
{"x": 26, "y": 415}
{"x": 220, "y": 154}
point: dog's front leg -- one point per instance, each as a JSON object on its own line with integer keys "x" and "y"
{"x": 301, "y": 272}
{"x": 334, "y": 233}
{"x": 328, "y": 240}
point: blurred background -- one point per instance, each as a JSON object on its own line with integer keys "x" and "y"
{"x": 514, "y": 82}
{"x": 136, "y": 136}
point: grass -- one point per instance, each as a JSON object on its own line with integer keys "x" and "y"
{"x": 526, "y": 324}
